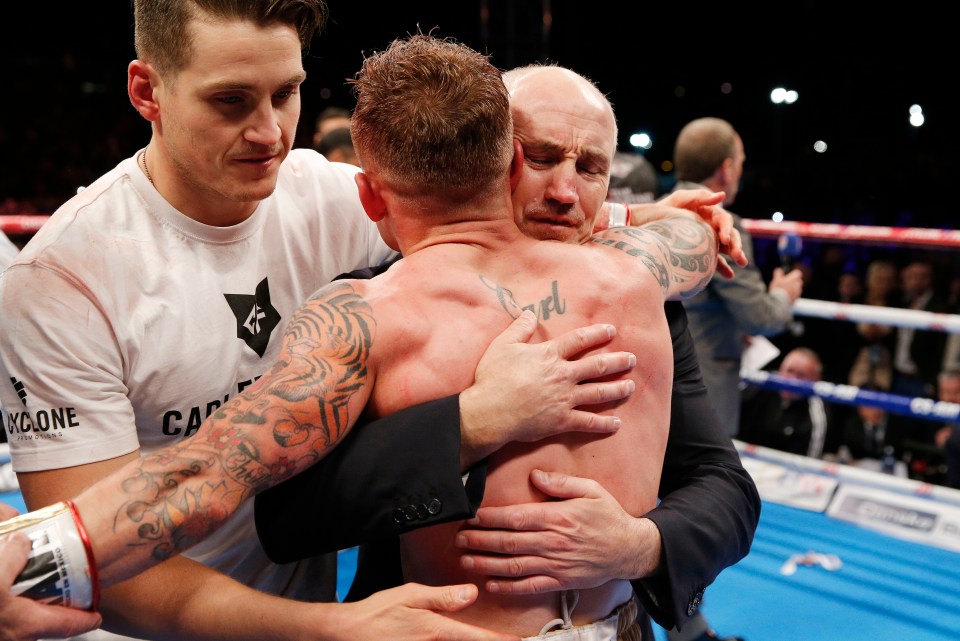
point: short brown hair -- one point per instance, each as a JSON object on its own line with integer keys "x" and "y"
{"x": 701, "y": 147}
{"x": 432, "y": 115}
{"x": 161, "y": 36}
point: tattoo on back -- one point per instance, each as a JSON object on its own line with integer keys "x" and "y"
{"x": 551, "y": 304}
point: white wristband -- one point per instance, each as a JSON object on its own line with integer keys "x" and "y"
{"x": 619, "y": 215}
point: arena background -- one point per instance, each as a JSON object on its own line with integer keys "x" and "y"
{"x": 858, "y": 67}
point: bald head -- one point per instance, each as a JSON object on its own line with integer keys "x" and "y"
{"x": 568, "y": 134}
{"x": 537, "y": 91}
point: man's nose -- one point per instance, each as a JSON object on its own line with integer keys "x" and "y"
{"x": 264, "y": 126}
{"x": 563, "y": 186}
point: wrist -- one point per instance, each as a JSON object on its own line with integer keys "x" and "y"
{"x": 475, "y": 435}
{"x": 618, "y": 215}
{"x": 649, "y": 550}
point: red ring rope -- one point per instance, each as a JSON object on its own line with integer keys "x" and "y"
{"x": 907, "y": 236}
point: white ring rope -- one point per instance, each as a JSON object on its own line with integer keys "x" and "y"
{"x": 877, "y": 315}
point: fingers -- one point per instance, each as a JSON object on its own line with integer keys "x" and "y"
{"x": 565, "y": 486}
{"x": 723, "y": 268}
{"x": 519, "y": 331}
{"x": 512, "y": 567}
{"x": 693, "y": 198}
{"x": 529, "y": 585}
{"x": 736, "y": 248}
{"x": 14, "y": 549}
{"x": 61, "y": 622}
{"x": 36, "y": 620}
{"x": 588, "y": 422}
{"x": 604, "y": 392}
{"x": 449, "y": 598}
{"x": 583, "y": 338}
{"x": 602, "y": 364}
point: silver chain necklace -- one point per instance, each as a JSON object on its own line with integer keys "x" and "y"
{"x": 143, "y": 157}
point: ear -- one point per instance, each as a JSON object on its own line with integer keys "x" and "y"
{"x": 724, "y": 172}
{"x": 516, "y": 165}
{"x": 141, "y": 79}
{"x": 370, "y": 197}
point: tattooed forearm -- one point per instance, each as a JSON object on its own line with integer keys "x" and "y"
{"x": 679, "y": 250}
{"x": 290, "y": 418}
{"x": 633, "y": 244}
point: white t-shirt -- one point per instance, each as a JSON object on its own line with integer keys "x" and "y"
{"x": 125, "y": 323}
{"x": 8, "y": 251}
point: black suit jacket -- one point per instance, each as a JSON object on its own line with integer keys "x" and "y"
{"x": 402, "y": 472}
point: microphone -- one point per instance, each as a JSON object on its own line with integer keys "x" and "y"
{"x": 789, "y": 247}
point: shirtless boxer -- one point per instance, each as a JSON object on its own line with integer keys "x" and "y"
{"x": 469, "y": 269}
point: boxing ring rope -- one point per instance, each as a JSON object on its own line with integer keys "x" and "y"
{"x": 900, "y": 507}
{"x": 904, "y": 236}
{"x": 22, "y": 224}
{"x": 917, "y": 407}
{"x": 916, "y": 319}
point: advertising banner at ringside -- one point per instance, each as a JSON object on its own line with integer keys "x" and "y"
{"x": 913, "y": 518}
{"x": 796, "y": 488}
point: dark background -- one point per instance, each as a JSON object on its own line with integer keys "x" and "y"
{"x": 65, "y": 117}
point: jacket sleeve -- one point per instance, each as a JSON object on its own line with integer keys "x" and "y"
{"x": 709, "y": 506}
{"x": 387, "y": 477}
{"x": 757, "y": 310}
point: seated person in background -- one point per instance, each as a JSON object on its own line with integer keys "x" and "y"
{"x": 865, "y": 434}
{"x": 386, "y": 343}
{"x": 947, "y": 437}
{"x": 789, "y": 421}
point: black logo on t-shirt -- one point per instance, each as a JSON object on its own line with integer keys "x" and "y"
{"x": 256, "y": 317}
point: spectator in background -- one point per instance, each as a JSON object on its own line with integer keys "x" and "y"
{"x": 789, "y": 421}
{"x": 947, "y": 437}
{"x": 865, "y": 435}
{"x": 873, "y": 364}
{"x": 633, "y": 179}
{"x": 329, "y": 119}
{"x": 918, "y": 353}
{"x": 709, "y": 153}
{"x": 836, "y": 341}
{"x": 918, "y": 356}
{"x": 951, "y": 355}
{"x": 337, "y": 146}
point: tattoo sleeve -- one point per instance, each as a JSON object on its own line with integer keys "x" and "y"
{"x": 290, "y": 418}
{"x": 680, "y": 251}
